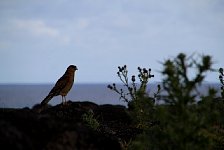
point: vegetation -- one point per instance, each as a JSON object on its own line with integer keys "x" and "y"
{"x": 133, "y": 91}
{"x": 185, "y": 119}
{"x": 90, "y": 120}
{"x": 221, "y": 78}
{"x": 141, "y": 106}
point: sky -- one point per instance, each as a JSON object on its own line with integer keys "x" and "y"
{"x": 39, "y": 39}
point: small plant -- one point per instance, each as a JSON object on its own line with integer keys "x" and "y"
{"x": 140, "y": 105}
{"x": 90, "y": 120}
{"x": 221, "y": 79}
{"x": 132, "y": 91}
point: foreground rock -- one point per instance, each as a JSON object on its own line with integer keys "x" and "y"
{"x": 62, "y": 127}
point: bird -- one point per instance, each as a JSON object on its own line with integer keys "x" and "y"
{"x": 62, "y": 86}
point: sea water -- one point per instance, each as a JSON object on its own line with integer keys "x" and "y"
{"x": 27, "y": 95}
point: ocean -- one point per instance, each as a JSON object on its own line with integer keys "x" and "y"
{"x": 28, "y": 95}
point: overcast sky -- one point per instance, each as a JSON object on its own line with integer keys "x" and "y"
{"x": 40, "y": 38}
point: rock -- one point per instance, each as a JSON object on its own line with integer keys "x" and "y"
{"x": 13, "y": 138}
{"x": 62, "y": 127}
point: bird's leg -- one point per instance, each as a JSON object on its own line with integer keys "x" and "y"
{"x": 62, "y": 100}
{"x": 65, "y": 100}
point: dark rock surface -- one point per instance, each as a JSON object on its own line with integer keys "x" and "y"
{"x": 62, "y": 127}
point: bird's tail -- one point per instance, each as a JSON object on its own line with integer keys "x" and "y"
{"x": 47, "y": 99}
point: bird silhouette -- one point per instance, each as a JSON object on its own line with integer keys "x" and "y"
{"x": 62, "y": 86}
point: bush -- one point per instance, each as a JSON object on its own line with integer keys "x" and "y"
{"x": 186, "y": 122}
{"x": 90, "y": 120}
{"x": 185, "y": 119}
{"x": 140, "y": 105}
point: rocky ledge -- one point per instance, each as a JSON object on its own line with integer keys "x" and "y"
{"x": 65, "y": 127}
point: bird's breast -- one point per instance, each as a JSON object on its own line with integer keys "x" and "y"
{"x": 68, "y": 85}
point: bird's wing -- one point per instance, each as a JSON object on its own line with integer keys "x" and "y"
{"x": 60, "y": 84}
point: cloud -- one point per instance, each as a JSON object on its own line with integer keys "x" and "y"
{"x": 39, "y": 28}
{"x": 114, "y": 32}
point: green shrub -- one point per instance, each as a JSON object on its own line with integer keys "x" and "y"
{"x": 140, "y": 105}
{"x": 90, "y": 120}
{"x": 185, "y": 119}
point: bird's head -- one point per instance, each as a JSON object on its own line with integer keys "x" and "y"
{"x": 72, "y": 67}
